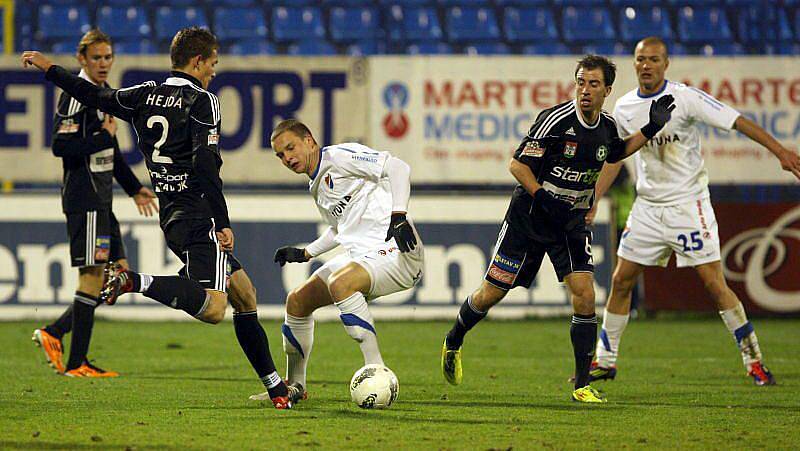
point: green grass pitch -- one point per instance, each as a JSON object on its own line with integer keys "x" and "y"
{"x": 185, "y": 385}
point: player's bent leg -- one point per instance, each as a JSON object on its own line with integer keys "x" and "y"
{"x": 214, "y": 307}
{"x": 583, "y": 330}
{"x": 472, "y": 311}
{"x": 733, "y": 315}
{"x": 348, "y": 287}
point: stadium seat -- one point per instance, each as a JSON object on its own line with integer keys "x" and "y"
{"x": 720, "y": 49}
{"x": 579, "y": 3}
{"x": 636, "y": 23}
{"x": 350, "y": 3}
{"x": 239, "y": 23}
{"x": 522, "y": 3}
{"x": 473, "y": 3}
{"x": 171, "y": 19}
{"x": 135, "y": 47}
{"x": 124, "y": 22}
{"x": 293, "y": 24}
{"x": 783, "y": 49}
{"x": 351, "y": 24}
{"x": 608, "y": 49}
{"x": 703, "y": 25}
{"x": 529, "y": 24}
{"x": 696, "y": 3}
{"x": 291, "y": 3}
{"x": 66, "y": 47}
{"x": 473, "y": 24}
{"x": 417, "y": 24}
{"x": 390, "y": 3}
{"x": 587, "y": 25}
{"x": 486, "y": 48}
{"x": 237, "y": 3}
{"x": 366, "y": 48}
{"x": 57, "y": 22}
{"x": 312, "y": 47}
{"x": 252, "y": 46}
{"x": 429, "y": 48}
{"x": 760, "y": 24}
{"x": 546, "y": 48}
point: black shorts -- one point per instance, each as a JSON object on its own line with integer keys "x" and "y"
{"x": 94, "y": 238}
{"x": 517, "y": 257}
{"x": 195, "y": 243}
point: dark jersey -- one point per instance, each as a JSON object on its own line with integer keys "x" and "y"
{"x": 177, "y": 124}
{"x": 565, "y": 155}
{"x": 90, "y": 157}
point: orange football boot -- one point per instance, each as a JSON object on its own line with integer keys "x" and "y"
{"x": 52, "y": 348}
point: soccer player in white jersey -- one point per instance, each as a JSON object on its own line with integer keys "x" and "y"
{"x": 672, "y": 211}
{"x": 362, "y": 194}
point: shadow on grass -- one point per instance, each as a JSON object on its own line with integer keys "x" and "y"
{"x": 192, "y": 378}
{"x": 795, "y": 409}
{"x": 42, "y": 444}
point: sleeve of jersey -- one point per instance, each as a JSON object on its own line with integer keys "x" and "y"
{"x": 709, "y": 110}
{"x": 621, "y": 130}
{"x": 123, "y": 174}
{"x": 367, "y": 165}
{"x": 325, "y": 243}
{"x": 206, "y": 159}
{"x": 68, "y": 140}
{"x": 102, "y": 98}
{"x": 532, "y": 149}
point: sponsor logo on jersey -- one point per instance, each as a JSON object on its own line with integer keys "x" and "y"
{"x": 578, "y": 199}
{"x": 395, "y": 98}
{"x": 570, "y": 148}
{"x": 213, "y": 137}
{"x": 329, "y": 181}
{"x": 102, "y": 247}
{"x": 570, "y": 175}
{"x": 570, "y": 131}
{"x": 340, "y": 206}
{"x": 533, "y": 149}
{"x": 602, "y": 153}
{"x": 504, "y": 269}
{"x": 68, "y": 126}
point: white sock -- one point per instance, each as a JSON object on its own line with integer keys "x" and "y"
{"x": 298, "y": 338}
{"x": 735, "y": 320}
{"x": 358, "y": 323}
{"x": 610, "y": 335}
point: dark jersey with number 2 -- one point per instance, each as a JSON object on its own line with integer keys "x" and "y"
{"x": 177, "y": 124}
{"x": 565, "y": 155}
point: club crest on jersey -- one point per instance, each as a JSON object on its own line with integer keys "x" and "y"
{"x": 533, "y": 149}
{"x": 329, "y": 181}
{"x": 570, "y": 148}
{"x": 602, "y": 153}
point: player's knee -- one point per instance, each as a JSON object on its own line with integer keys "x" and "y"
{"x": 622, "y": 282}
{"x": 487, "y": 296}
{"x": 295, "y": 305}
{"x": 715, "y": 288}
{"x": 215, "y": 312}
{"x": 341, "y": 287}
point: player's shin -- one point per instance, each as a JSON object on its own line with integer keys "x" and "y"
{"x": 82, "y": 323}
{"x": 255, "y": 345}
{"x": 583, "y": 333}
{"x": 62, "y": 325}
{"x": 358, "y": 323}
{"x": 736, "y": 321}
{"x": 298, "y": 339}
{"x": 467, "y": 318}
{"x": 610, "y": 336}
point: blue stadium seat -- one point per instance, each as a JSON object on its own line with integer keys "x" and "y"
{"x": 696, "y": 3}
{"x": 486, "y": 48}
{"x": 239, "y": 23}
{"x": 587, "y": 25}
{"x": 529, "y": 24}
{"x": 135, "y": 47}
{"x": 312, "y": 47}
{"x": 703, "y": 25}
{"x": 237, "y": 3}
{"x": 474, "y": 3}
{"x": 56, "y": 22}
{"x": 406, "y": 2}
{"x": 350, "y": 24}
{"x": 783, "y": 49}
{"x": 252, "y": 46}
{"x": 720, "y": 49}
{"x": 123, "y": 22}
{"x": 366, "y": 48}
{"x": 758, "y": 24}
{"x": 429, "y": 48}
{"x": 522, "y": 3}
{"x": 292, "y": 24}
{"x": 65, "y": 47}
{"x": 636, "y": 23}
{"x": 121, "y": 3}
{"x": 608, "y": 49}
{"x": 579, "y": 3}
{"x": 418, "y": 24}
{"x": 678, "y": 50}
{"x": 473, "y": 24}
{"x": 169, "y": 20}
{"x": 546, "y": 48}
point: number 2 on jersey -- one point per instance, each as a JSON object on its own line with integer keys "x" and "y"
{"x": 157, "y": 157}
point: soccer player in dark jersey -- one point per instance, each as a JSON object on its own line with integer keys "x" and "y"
{"x": 178, "y": 127}
{"x": 556, "y": 165}
{"x": 85, "y": 139}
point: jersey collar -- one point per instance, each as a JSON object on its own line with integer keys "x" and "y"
{"x": 178, "y": 78}
{"x": 85, "y": 76}
{"x": 643, "y": 96}
{"x": 319, "y": 163}
{"x": 580, "y": 117}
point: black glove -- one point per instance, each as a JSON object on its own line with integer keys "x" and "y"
{"x": 660, "y": 113}
{"x": 402, "y": 232}
{"x": 288, "y": 254}
{"x": 556, "y": 211}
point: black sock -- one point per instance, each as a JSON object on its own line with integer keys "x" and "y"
{"x": 255, "y": 345}
{"x": 467, "y": 318}
{"x": 62, "y": 325}
{"x": 82, "y": 323}
{"x": 176, "y": 292}
{"x": 583, "y": 333}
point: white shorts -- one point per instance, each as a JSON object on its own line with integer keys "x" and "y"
{"x": 389, "y": 269}
{"x": 652, "y": 233}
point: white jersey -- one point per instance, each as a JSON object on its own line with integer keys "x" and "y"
{"x": 670, "y": 169}
{"x": 352, "y": 195}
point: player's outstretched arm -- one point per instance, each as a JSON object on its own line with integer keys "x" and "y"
{"x": 607, "y": 176}
{"x": 660, "y": 114}
{"x": 399, "y": 174}
{"x": 790, "y": 161}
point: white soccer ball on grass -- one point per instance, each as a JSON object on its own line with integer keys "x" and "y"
{"x": 374, "y": 387}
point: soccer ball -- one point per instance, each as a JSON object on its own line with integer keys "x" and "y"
{"x": 374, "y": 387}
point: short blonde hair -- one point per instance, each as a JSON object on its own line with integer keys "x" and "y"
{"x": 93, "y": 36}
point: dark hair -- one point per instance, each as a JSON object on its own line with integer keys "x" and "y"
{"x": 654, "y": 40}
{"x": 93, "y": 36}
{"x": 190, "y": 42}
{"x": 291, "y": 125}
{"x": 590, "y": 62}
